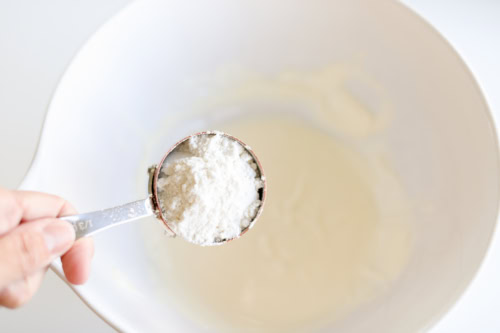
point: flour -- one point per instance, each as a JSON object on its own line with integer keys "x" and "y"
{"x": 209, "y": 189}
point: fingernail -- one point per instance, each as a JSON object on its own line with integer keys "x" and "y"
{"x": 59, "y": 235}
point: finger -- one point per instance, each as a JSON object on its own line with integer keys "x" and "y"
{"x": 36, "y": 205}
{"x": 18, "y": 293}
{"x": 31, "y": 247}
{"x": 10, "y": 211}
{"x": 76, "y": 262}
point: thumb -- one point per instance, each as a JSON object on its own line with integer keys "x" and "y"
{"x": 32, "y": 246}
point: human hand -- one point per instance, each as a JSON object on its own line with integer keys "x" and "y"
{"x": 31, "y": 237}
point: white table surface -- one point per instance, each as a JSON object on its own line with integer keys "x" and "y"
{"x": 37, "y": 42}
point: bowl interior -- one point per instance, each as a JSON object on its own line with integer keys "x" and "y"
{"x": 109, "y": 120}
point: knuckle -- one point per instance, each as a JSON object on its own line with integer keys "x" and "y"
{"x": 56, "y": 198}
{"x": 13, "y": 300}
{"x": 14, "y": 211}
{"x": 31, "y": 252}
{"x": 59, "y": 202}
{"x": 11, "y": 211}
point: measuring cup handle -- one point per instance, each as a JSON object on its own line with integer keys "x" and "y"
{"x": 89, "y": 223}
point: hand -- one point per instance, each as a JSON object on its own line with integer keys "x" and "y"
{"x": 31, "y": 237}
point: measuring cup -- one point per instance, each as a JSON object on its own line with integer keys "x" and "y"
{"x": 87, "y": 224}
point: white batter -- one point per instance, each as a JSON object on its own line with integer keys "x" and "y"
{"x": 319, "y": 249}
{"x": 334, "y": 234}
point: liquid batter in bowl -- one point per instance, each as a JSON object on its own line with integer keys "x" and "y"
{"x": 324, "y": 245}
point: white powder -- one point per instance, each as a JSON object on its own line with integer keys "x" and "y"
{"x": 209, "y": 189}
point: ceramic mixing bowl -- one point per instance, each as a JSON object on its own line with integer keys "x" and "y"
{"x": 103, "y": 130}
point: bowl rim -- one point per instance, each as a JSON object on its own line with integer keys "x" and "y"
{"x": 424, "y": 23}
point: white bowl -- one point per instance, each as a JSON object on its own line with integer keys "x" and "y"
{"x": 139, "y": 66}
